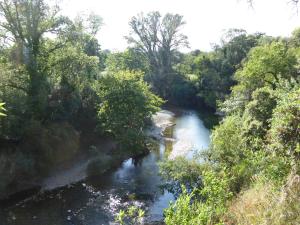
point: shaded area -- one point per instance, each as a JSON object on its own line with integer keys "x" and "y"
{"x": 136, "y": 182}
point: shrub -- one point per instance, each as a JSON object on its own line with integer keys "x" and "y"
{"x": 208, "y": 209}
{"x": 181, "y": 171}
{"x": 284, "y": 135}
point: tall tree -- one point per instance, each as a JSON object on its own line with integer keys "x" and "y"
{"x": 158, "y": 38}
{"x": 24, "y": 24}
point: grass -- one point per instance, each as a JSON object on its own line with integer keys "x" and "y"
{"x": 267, "y": 204}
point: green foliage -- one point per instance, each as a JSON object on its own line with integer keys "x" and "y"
{"x": 228, "y": 150}
{"x": 183, "y": 211}
{"x": 295, "y": 39}
{"x": 126, "y": 104}
{"x": 208, "y": 210}
{"x": 227, "y": 145}
{"x": 265, "y": 65}
{"x": 257, "y": 115}
{"x": 131, "y": 215}
{"x": 71, "y": 72}
{"x": 181, "y": 171}
{"x": 158, "y": 39}
{"x": 240, "y": 143}
{"x": 2, "y": 109}
{"x": 27, "y": 22}
{"x": 130, "y": 59}
{"x": 13, "y": 88}
{"x": 43, "y": 78}
{"x": 211, "y": 74}
{"x": 285, "y": 125}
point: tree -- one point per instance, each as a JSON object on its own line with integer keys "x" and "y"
{"x": 126, "y": 104}
{"x": 130, "y": 59}
{"x": 212, "y": 73}
{"x": 295, "y": 39}
{"x": 265, "y": 65}
{"x": 158, "y": 38}
{"x": 24, "y": 25}
{"x": 71, "y": 73}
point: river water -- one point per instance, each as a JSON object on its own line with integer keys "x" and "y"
{"x": 96, "y": 201}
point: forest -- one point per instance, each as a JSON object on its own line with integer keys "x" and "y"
{"x": 62, "y": 97}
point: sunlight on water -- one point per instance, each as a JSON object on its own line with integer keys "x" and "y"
{"x": 190, "y": 134}
{"x": 136, "y": 182}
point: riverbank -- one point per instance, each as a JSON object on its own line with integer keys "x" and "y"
{"x": 52, "y": 169}
{"x": 90, "y": 155}
{"x": 97, "y": 199}
{"x": 73, "y": 176}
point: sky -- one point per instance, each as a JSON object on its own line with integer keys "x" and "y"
{"x": 206, "y": 20}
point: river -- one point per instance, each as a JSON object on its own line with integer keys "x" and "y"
{"x": 95, "y": 201}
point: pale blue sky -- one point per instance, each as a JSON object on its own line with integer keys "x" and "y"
{"x": 206, "y": 19}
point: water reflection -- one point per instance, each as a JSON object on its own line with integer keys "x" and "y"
{"x": 190, "y": 134}
{"x": 97, "y": 200}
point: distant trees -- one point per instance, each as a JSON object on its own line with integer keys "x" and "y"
{"x": 211, "y": 74}
{"x": 158, "y": 38}
{"x": 131, "y": 59}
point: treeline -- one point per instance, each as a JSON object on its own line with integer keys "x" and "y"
{"x": 250, "y": 173}
{"x": 196, "y": 79}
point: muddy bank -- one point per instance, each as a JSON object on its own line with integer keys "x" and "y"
{"x": 104, "y": 154}
{"x": 73, "y": 157}
{"x": 25, "y": 163}
{"x": 97, "y": 199}
{"x": 47, "y": 157}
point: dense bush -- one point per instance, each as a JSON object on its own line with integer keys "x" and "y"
{"x": 206, "y": 207}
{"x": 285, "y": 125}
{"x": 179, "y": 173}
